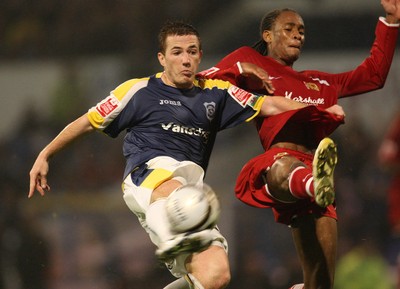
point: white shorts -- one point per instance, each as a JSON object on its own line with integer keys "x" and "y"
{"x": 138, "y": 186}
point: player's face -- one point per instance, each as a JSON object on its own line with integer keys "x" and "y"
{"x": 181, "y": 60}
{"x": 286, "y": 38}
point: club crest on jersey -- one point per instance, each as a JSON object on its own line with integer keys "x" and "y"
{"x": 210, "y": 110}
{"x": 311, "y": 86}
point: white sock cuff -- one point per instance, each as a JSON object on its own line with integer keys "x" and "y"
{"x": 181, "y": 283}
{"x": 193, "y": 282}
{"x": 157, "y": 220}
{"x": 309, "y": 183}
{"x": 291, "y": 176}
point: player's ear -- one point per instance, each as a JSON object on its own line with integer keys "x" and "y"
{"x": 161, "y": 59}
{"x": 267, "y": 36}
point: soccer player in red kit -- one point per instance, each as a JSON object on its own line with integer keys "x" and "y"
{"x": 287, "y": 177}
{"x": 389, "y": 158}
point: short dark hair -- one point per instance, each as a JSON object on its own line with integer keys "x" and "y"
{"x": 266, "y": 24}
{"x": 175, "y": 28}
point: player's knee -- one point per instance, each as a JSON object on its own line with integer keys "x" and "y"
{"x": 221, "y": 276}
{"x": 224, "y": 280}
{"x": 210, "y": 268}
{"x": 278, "y": 175}
{"x": 219, "y": 280}
{"x": 212, "y": 281}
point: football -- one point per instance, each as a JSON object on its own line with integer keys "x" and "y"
{"x": 190, "y": 208}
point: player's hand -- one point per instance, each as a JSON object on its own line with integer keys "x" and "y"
{"x": 254, "y": 71}
{"x": 38, "y": 177}
{"x": 392, "y": 9}
{"x": 336, "y": 110}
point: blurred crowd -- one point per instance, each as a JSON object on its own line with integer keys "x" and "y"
{"x": 48, "y": 28}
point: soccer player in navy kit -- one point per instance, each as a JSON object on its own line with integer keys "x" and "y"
{"x": 286, "y": 178}
{"x": 171, "y": 120}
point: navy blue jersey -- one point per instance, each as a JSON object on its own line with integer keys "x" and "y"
{"x": 161, "y": 120}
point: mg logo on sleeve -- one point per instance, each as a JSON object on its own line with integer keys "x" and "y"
{"x": 107, "y": 106}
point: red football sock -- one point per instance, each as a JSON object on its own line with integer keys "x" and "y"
{"x": 301, "y": 183}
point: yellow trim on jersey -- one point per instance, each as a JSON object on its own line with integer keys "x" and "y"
{"x": 155, "y": 178}
{"x": 211, "y": 83}
{"x": 257, "y": 107}
{"x": 94, "y": 118}
{"x": 123, "y": 88}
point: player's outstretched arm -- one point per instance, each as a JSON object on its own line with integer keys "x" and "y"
{"x": 392, "y": 9}
{"x": 38, "y": 173}
{"x": 277, "y": 104}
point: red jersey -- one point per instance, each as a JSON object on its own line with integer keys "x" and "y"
{"x": 311, "y": 87}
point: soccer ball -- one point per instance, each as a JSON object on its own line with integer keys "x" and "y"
{"x": 190, "y": 208}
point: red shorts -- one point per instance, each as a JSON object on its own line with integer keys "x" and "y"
{"x": 250, "y": 189}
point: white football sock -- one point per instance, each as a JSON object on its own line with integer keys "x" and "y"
{"x": 157, "y": 220}
{"x": 193, "y": 282}
{"x": 178, "y": 284}
{"x": 187, "y": 282}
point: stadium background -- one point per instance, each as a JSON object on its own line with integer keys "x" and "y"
{"x": 57, "y": 58}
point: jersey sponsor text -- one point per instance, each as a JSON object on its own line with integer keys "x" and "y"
{"x": 305, "y": 100}
{"x": 177, "y": 128}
